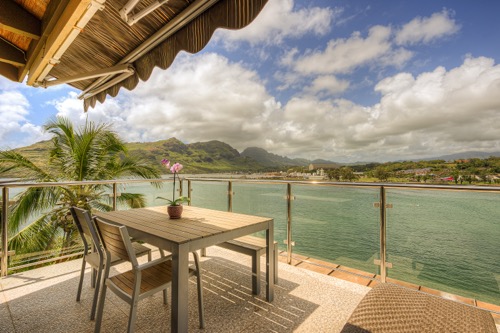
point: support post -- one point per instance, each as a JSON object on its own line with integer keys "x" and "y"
{"x": 5, "y": 219}
{"x": 383, "y": 247}
{"x": 230, "y": 196}
{"x": 289, "y": 223}
{"x": 115, "y": 195}
{"x": 189, "y": 191}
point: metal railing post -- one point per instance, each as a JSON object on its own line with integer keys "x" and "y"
{"x": 383, "y": 247}
{"x": 189, "y": 192}
{"x": 230, "y": 196}
{"x": 289, "y": 223}
{"x": 181, "y": 181}
{"x": 115, "y": 195}
{"x": 5, "y": 219}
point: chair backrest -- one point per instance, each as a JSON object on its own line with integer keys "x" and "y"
{"x": 116, "y": 241}
{"x": 86, "y": 228}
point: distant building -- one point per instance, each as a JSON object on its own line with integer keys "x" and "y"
{"x": 324, "y": 166}
{"x": 417, "y": 172}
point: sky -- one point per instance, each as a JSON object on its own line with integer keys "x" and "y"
{"x": 344, "y": 81}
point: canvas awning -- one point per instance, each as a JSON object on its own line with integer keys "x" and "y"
{"x": 100, "y": 46}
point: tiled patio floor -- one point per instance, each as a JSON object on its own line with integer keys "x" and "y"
{"x": 43, "y": 300}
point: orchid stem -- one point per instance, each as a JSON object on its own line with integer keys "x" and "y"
{"x": 173, "y": 191}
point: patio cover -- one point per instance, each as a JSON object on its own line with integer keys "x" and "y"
{"x": 99, "y": 46}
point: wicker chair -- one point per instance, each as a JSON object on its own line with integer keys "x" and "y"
{"x": 389, "y": 308}
{"x": 94, "y": 255}
{"x": 143, "y": 280}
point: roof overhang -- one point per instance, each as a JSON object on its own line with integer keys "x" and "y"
{"x": 100, "y": 46}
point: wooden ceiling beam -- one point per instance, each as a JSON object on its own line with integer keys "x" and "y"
{"x": 11, "y": 54}
{"x": 16, "y": 19}
{"x": 53, "y": 12}
{"x": 9, "y": 71}
{"x": 64, "y": 26}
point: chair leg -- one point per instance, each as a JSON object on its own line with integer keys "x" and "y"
{"x": 100, "y": 307}
{"x": 255, "y": 274}
{"x": 93, "y": 275}
{"x": 149, "y": 255}
{"x": 132, "y": 317}
{"x": 96, "y": 294}
{"x": 203, "y": 252}
{"x": 201, "y": 310}
{"x": 165, "y": 298}
{"x": 80, "y": 284}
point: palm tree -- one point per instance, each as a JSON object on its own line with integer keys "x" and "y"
{"x": 91, "y": 152}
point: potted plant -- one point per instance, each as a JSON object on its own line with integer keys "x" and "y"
{"x": 174, "y": 208}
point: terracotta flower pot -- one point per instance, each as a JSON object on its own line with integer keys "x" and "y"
{"x": 174, "y": 212}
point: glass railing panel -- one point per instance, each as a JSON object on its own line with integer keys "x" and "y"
{"x": 42, "y": 238}
{"x": 263, "y": 199}
{"x": 208, "y": 194}
{"x": 151, "y": 192}
{"x": 446, "y": 240}
{"x": 337, "y": 224}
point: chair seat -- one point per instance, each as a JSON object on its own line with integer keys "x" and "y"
{"x": 139, "y": 249}
{"x": 92, "y": 259}
{"x": 152, "y": 278}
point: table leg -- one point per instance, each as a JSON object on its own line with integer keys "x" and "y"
{"x": 270, "y": 262}
{"x": 180, "y": 276}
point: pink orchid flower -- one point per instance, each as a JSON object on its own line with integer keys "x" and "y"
{"x": 177, "y": 167}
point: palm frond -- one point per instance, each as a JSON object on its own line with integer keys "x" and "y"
{"x": 31, "y": 202}
{"x": 13, "y": 161}
{"x": 37, "y": 236}
{"x": 133, "y": 200}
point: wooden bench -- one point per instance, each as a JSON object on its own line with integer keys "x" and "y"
{"x": 254, "y": 247}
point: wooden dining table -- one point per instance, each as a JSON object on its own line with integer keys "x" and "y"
{"x": 197, "y": 228}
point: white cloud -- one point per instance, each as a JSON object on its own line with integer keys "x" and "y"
{"x": 207, "y": 97}
{"x": 199, "y": 98}
{"x": 15, "y": 129}
{"x": 427, "y": 29}
{"x": 279, "y": 21}
{"x": 344, "y": 55}
{"x": 328, "y": 84}
{"x": 437, "y": 112}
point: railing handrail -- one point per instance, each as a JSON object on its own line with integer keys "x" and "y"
{"x": 83, "y": 182}
{"x": 481, "y": 188}
{"x": 354, "y": 184}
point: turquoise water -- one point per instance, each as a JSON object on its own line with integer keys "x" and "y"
{"x": 446, "y": 240}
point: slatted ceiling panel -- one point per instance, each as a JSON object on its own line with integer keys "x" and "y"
{"x": 107, "y": 39}
{"x": 229, "y": 14}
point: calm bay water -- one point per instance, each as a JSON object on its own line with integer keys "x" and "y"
{"x": 447, "y": 240}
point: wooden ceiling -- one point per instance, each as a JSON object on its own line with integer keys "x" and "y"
{"x": 93, "y": 46}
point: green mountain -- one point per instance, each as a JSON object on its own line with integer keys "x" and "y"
{"x": 200, "y": 157}
{"x": 272, "y": 160}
